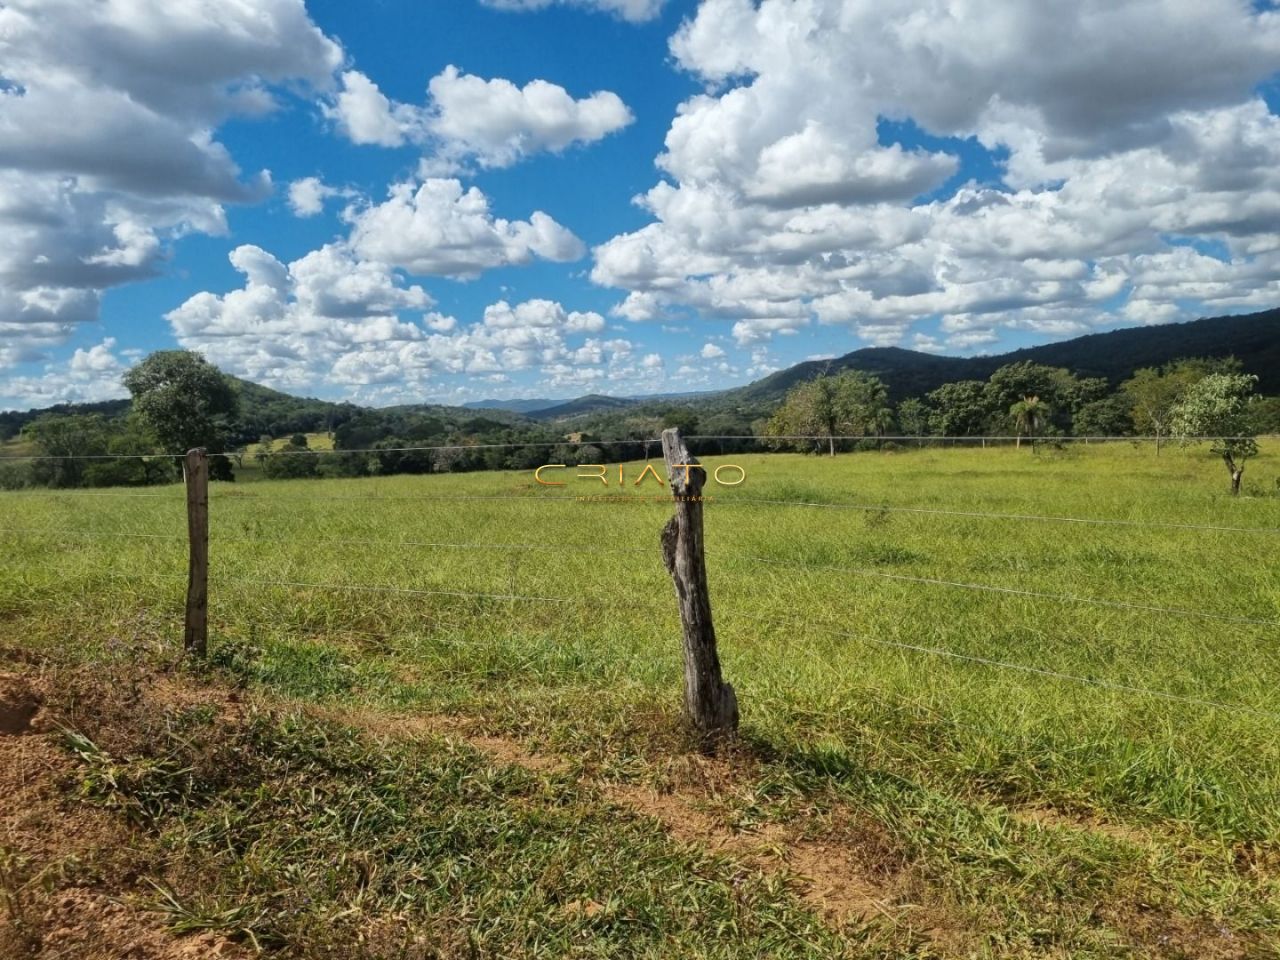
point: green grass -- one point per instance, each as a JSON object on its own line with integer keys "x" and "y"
{"x": 940, "y": 759}
{"x": 315, "y": 441}
{"x": 310, "y": 838}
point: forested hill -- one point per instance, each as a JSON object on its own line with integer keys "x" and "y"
{"x": 1253, "y": 338}
{"x": 262, "y": 411}
{"x": 12, "y": 421}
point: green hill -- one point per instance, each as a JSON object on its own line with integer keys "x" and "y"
{"x": 1253, "y": 338}
{"x": 591, "y": 403}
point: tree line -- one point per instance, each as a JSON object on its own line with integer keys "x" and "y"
{"x": 1193, "y": 398}
{"x": 180, "y": 400}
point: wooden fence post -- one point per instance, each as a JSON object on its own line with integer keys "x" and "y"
{"x": 710, "y": 704}
{"x": 195, "y": 638}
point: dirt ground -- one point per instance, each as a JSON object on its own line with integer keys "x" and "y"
{"x": 69, "y": 887}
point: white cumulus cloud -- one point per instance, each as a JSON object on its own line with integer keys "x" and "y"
{"x": 307, "y": 195}
{"x": 437, "y": 227}
{"x": 466, "y": 119}
{"x": 1128, "y": 129}
{"x": 635, "y": 11}
{"x": 108, "y": 113}
{"x": 332, "y": 319}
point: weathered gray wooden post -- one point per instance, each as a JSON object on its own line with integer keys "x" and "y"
{"x": 710, "y": 704}
{"x": 195, "y": 638}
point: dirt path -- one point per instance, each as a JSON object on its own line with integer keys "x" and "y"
{"x": 825, "y": 871}
{"x": 67, "y": 870}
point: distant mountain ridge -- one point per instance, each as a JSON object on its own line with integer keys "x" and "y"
{"x": 1252, "y": 338}
{"x": 511, "y": 406}
{"x": 1114, "y": 355}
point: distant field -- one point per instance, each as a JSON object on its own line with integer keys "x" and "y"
{"x": 1008, "y": 772}
{"x": 315, "y": 441}
{"x": 18, "y": 448}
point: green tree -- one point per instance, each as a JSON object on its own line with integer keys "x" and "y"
{"x": 1062, "y": 393}
{"x": 1152, "y": 393}
{"x": 1218, "y": 406}
{"x": 65, "y": 440}
{"x": 1265, "y": 412}
{"x": 293, "y": 461}
{"x": 959, "y": 409}
{"x": 138, "y": 465}
{"x": 913, "y": 417}
{"x": 1029, "y": 415}
{"x": 850, "y": 403}
{"x": 186, "y": 402}
{"x": 683, "y": 418}
{"x": 1107, "y": 417}
{"x": 1016, "y": 381}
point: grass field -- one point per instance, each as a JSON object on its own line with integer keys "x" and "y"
{"x": 908, "y": 783}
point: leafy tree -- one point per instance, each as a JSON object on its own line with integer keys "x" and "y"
{"x": 851, "y": 402}
{"x": 299, "y": 440}
{"x": 290, "y": 462}
{"x": 913, "y": 417}
{"x": 1217, "y": 406}
{"x": 683, "y": 418}
{"x": 1015, "y": 381}
{"x": 1061, "y": 392}
{"x": 1153, "y": 393}
{"x": 186, "y": 402}
{"x": 63, "y": 439}
{"x": 1265, "y": 412}
{"x": 132, "y": 441}
{"x": 362, "y": 432}
{"x": 1107, "y": 417}
{"x": 808, "y": 410}
{"x": 960, "y": 409}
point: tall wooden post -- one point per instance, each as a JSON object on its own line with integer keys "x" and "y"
{"x": 196, "y": 635}
{"x": 710, "y": 704}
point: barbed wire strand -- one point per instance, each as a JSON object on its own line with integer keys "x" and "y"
{"x": 926, "y": 438}
{"x": 334, "y": 541}
{"x": 356, "y": 588}
{"x": 516, "y": 444}
{"x": 719, "y": 500}
{"x": 771, "y": 561}
{"x": 69, "y": 492}
{"x": 877, "y": 641}
{"x": 1013, "y": 591}
{"x": 986, "y": 515}
{"x": 246, "y": 452}
{"x": 1007, "y": 665}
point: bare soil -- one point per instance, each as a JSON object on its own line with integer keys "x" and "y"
{"x": 69, "y": 871}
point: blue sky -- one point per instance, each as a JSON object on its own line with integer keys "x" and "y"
{"x": 500, "y": 198}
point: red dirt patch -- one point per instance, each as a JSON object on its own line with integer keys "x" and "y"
{"x": 404, "y": 726}
{"x": 19, "y": 703}
{"x": 1049, "y": 818}
{"x": 67, "y": 869}
{"x": 825, "y": 873}
{"x": 85, "y": 924}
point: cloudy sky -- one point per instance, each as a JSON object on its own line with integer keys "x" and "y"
{"x": 454, "y": 199}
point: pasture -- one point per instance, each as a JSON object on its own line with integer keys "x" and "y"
{"x": 971, "y": 725}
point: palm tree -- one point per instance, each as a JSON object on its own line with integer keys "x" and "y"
{"x": 1029, "y": 415}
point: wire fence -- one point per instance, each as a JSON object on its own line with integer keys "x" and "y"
{"x": 380, "y": 545}
{"x": 656, "y": 444}
{"x": 589, "y": 549}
